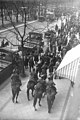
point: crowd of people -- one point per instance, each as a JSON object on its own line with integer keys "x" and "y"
{"x": 43, "y": 65}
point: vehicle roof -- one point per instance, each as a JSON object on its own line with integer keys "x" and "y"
{"x": 8, "y": 50}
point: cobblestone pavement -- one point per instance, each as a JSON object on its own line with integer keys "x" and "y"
{"x": 24, "y": 109}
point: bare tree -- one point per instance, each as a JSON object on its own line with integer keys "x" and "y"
{"x": 2, "y": 16}
{"x": 21, "y": 37}
{"x": 25, "y": 9}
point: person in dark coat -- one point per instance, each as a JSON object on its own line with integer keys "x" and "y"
{"x": 51, "y": 67}
{"x": 31, "y": 63}
{"x": 43, "y": 74}
{"x": 26, "y": 62}
{"x": 47, "y": 59}
{"x": 36, "y": 57}
{"x": 45, "y": 67}
{"x": 38, "y": 67}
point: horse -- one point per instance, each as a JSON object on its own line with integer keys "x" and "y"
{"x": 51, "y": 92}
{"x": 30, "y": 86}
{"x": 31, "y": 83}
{"x": 15, "y": 85}
{"x": 15, "y": 92}
{"x": 39, "y": 90}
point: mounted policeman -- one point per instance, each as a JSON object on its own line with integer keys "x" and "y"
{"x": 15, "y": 85}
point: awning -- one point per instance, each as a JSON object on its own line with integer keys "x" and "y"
{"x": 69, "y": 65}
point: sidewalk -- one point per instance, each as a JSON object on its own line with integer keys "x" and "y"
{"x": 5, "y": 90}
{"x": 7, "y": 23}
{"x": 24, "y": 109}
{"x": 10, "y": 27}
{"x": 73, "y": 106}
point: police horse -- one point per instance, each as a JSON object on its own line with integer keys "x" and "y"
{"x": 31, "y": 83}
{"x": 30, "y": 86}
{"x": 15, "y": 85}
{"x": 39, "y": 90}
{"x": 51, "y": 92}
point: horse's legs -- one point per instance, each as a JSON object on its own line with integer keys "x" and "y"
{"x": 13, "y": 95}
{"x": 17, "y": 96}
{"x": 52, "y": 101}
{"x": 28, "y": 94}
{"x": 44, "y": 93}
{"x": 34, "y": 103}
{"x": 49, "y": 105}
{"x": 30, "y": 68}
{"x": 32, "y": 92}
{"x": 40, "y": 101}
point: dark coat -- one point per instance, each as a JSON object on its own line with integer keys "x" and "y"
{"x": 36, "y": 57}
{"x": 51, "y": 67}
{"x": 31, "y": 62}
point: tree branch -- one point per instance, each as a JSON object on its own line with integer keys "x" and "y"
{"x": 13, "y": 23}
{"x": 15, "y": 34}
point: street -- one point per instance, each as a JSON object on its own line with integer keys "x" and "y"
{"x": 24, "y": 109}
{"x": 33, "y": 26}
{"x": 46, "y": 52}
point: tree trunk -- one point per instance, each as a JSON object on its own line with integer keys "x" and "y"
{"x": 2, "y": 16}
{"x": 39, "y": 9}
{"x": 17, "y": 17}
{"x": 22, "y": 47}
{"x": 22, "y": 16}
